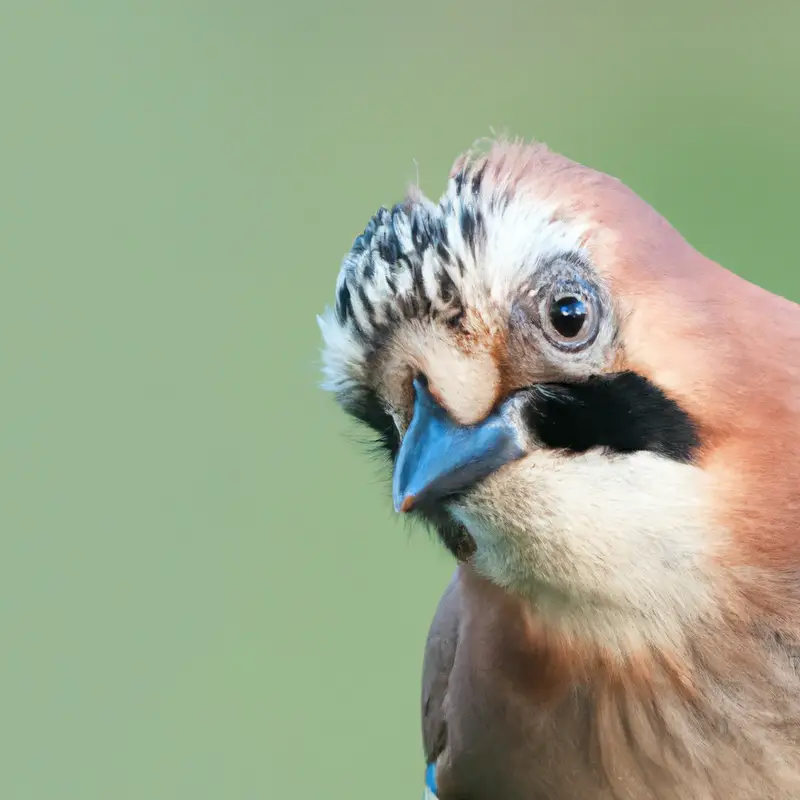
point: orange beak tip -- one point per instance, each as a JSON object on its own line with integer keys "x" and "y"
{"x": 407, "y": 504}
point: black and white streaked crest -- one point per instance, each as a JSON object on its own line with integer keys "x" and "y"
{"x": 400, "y": 267}
{"x": 421, "y": 260}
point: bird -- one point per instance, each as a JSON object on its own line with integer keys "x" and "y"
{"x": 602, "y": 426}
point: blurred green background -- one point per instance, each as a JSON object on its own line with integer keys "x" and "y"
{"x": 203, "y": 590}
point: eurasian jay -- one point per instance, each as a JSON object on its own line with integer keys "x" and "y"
{"x": 603, "y": 427}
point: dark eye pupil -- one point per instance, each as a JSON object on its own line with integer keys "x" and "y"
{"x": 567, "y": 315}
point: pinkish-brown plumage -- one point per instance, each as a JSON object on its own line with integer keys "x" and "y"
{"x": 624, "y": 619}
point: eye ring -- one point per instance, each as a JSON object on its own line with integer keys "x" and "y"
{"x": 570, "y": 316}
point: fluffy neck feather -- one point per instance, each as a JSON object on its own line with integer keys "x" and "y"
{"x": 721, "y": 719}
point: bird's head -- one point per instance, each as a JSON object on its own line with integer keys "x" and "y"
{"x": 598, "y": 418}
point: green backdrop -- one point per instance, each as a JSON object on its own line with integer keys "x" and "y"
{"x": 204, "y": 592}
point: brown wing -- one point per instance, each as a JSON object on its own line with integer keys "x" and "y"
{"x": 440, "y": 651}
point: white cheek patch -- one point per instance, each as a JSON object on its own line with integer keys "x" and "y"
{"x": 343, "y": 365}
{"x": 612, "y": 547}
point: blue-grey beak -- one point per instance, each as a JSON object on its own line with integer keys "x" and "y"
{"x": 438, "y": 457}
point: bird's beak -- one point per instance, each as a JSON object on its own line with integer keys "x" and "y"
{"x": 438, "y": 457}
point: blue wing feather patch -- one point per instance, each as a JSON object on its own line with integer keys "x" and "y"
{"x": 430, "y": 782}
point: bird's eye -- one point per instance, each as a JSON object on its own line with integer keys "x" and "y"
{"x": 568, "y": 316}
{"x": 570, "y": 319}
